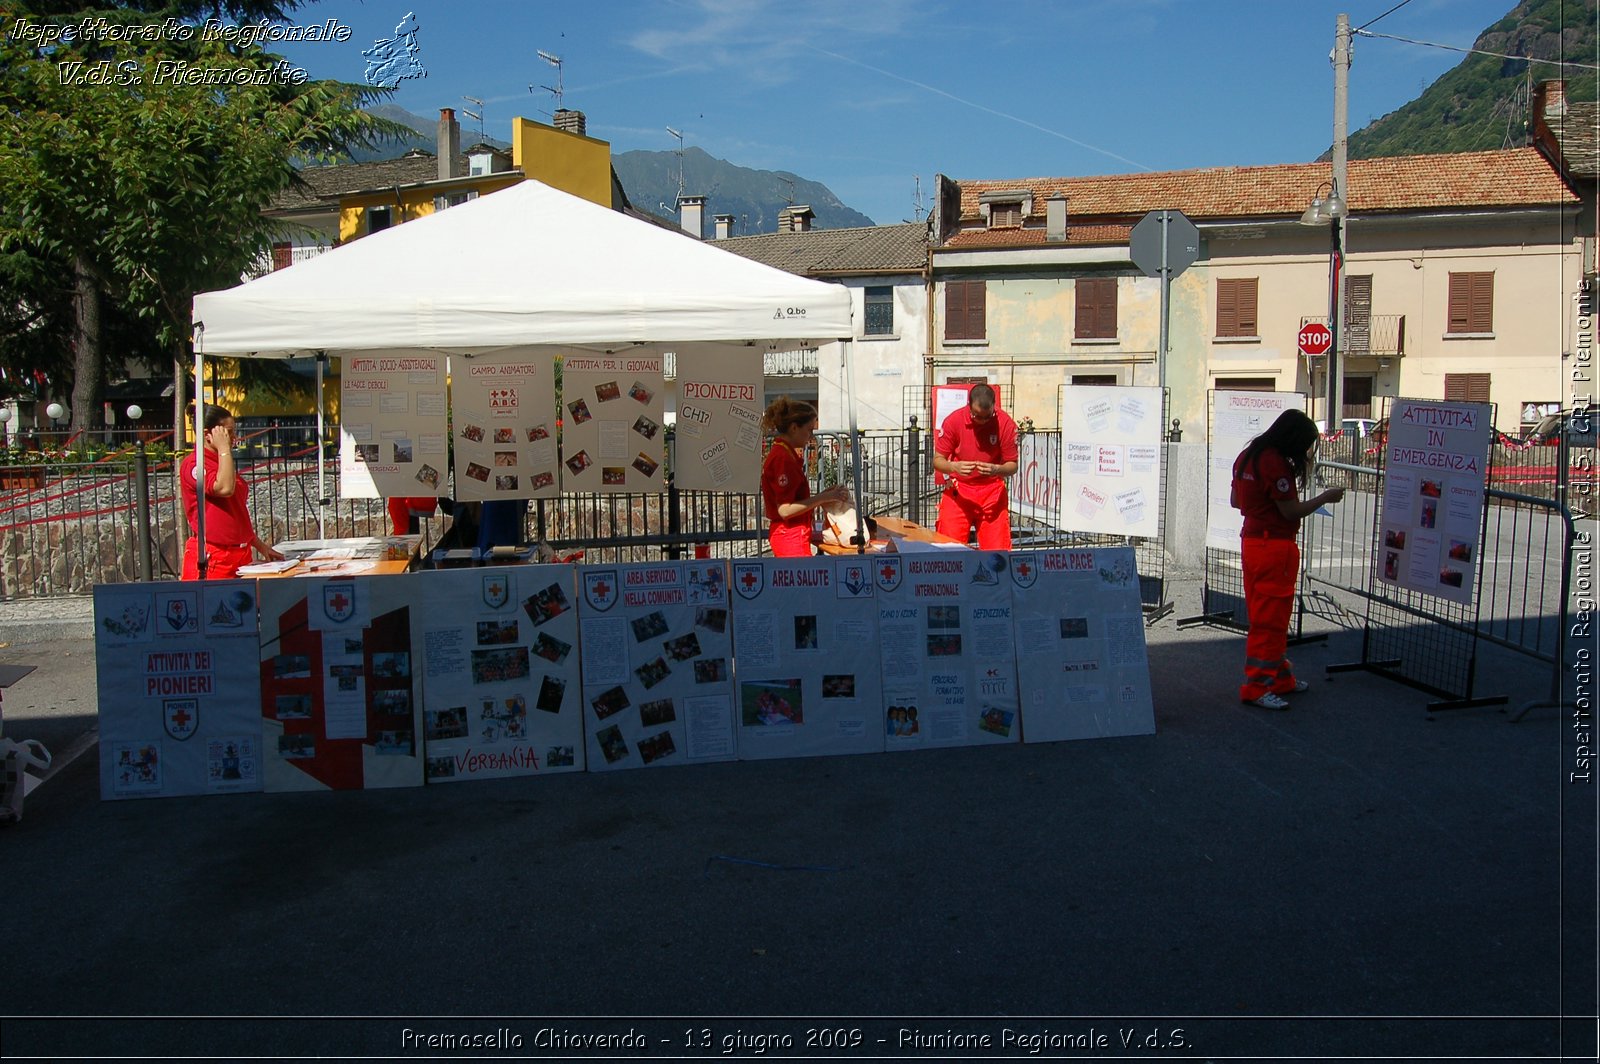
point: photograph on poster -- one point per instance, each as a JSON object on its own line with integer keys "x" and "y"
{"x": 901, "y": 722}
{"x": 552, "y": 689}
{"x": 711, "y": 619}
{"x": 538, "y": 432}
{"x": 652, "y": 673}
{"x": 346, "y": 671}
{"x": 711, "y": 670}
{"x": 298, "y": 746}
{"x": 682, "y": 648}
{"x": 505, "y": 482}
{"x": 509, "y": 663}
{"x": 579, "y": 409}
{"x": 503, "y": 718}
{"x": 1460, "y": 551}
{"x": 805, "y": 632}
{"x": 640, "y": 393}
{"x": 1395, "y": 538}
{"x": 291, "y": 667}
{"x": 1450, "y": 577}
{"x": 393, "y": 744}
{"x": 645, "y": 464}
{"x": 390, "y": 665}
{"x": 656, "y": 747}
{"x": 472, "y": 433}
{"x": 402, "y": 451}
{"x": 1074, "y": 628}
{"x": 428, "y": 476}
{"x": 613, "y": 475}
{"x": 478, "y": 472}
{"x": 445, "y": 723}
{"x": 654, "y": 714}
{"x": 944, "y": 646}
{"x": 505, "y": 435}
{"x": 612, "y": 745}
{"x": 440, "y": 767}
{"x": 649, "y": 626}
{"x": 546, "y": 605}
{"x": 1430, "y": 512}
{"x": 560, "y": 757}
{"x": 1430, "y": 489}
{"x": 646, "y": 428}
{"x": 1391, "y": 565}
{"x": 839, "y": 686}
{"x": 996, "y": 720}
{"x": 493, "y": 633}
{"x": 394, "y": 703}
{"x": 549, "y": 648}
{"x": 505, "y": 459}
{"x": 944, "y": 616}
{"x": 609, "y": 702}
{"x": 292, "y": 707}
{"x": 347, "y": 683}
{"x": 541, "y": 480}
{"x": 579, "y": 462}
{"x": 607, "y": 391}
{"x": 368, "y": 452}
{"x": 770, "y": 702}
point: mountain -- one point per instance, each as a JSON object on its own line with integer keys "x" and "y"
{"x": 753, "y": 197}
{"x": 1483, "y": 102}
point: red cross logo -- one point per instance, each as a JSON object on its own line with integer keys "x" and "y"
{"x": 602, "y": 589}
{"x": 1023, "y": 569}
{"x": 181, "y": 719}
{"x": 748, "y": 580}
{"x": 887, "y": 572}
{"x": 339, "y": 602}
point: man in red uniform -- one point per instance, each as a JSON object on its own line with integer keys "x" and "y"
{"x": 230, "y": 537}
{"x": 977, "y": 450}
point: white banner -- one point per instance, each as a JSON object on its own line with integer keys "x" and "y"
{"x": 501, "y": 691}
{"x": 340, "y": 702}
{"x": 1035, "y": 491}
{"x": 393, "y": 424}
{"x": 657, "y": 664}
{"x": 1236, "y": 419}
{"x": 505, "y": 426}
{"x": 1111, "y": 460}
{"x": 1436, "y": 461}
{"x": 720, "y": 404}
{"x": 611, "y": 436}
{"x": 179, "y": 688}
{"x": 805, "y": 635}
{"x": 947, "y": 649}
{"x": 1081, "y": 645}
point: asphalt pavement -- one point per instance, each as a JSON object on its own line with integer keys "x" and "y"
{"x": 1358, "y": 876}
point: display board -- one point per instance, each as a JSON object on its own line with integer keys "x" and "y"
{"x": 393, "y": 425}
{"x": 505, "y": 417}
{"x": 1436, "y": 462}
{"x": 720, "y": 403}
{"x": 340, "y": 704}
{"x": 611, "y": 422}
{"x": 1237, "y": 417}
{"x": 1080, "y": 645}
{"x": 657, "y": 664}
{"x": 805, "y": 641}
{"x": 1111, "y": 460}
{"x": 178, "y": 682}
{"x": 501, "y": 695}
{"x": 947, "y": 649}
{"x": 1035, "y": 491}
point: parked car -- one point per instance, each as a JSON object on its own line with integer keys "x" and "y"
{"x": 1359, "y": 427}
{"x": 1577, "y": 425}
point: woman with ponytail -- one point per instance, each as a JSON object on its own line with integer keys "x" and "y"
{"x": 784, "y": 489}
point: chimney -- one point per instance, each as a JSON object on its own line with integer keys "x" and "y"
{"x": 449, "y": 144}
{"x": 572, "y": 122}
{"x": 1055, "y": 218}
{"x": 692, "y": 215}
{"x": 800, "y": 215}
{"x": 724, "y": 225}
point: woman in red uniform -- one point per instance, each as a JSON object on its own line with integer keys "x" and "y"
{"x": 1268, "y": 476}
{"x": 784, "y": 488}
{"x": 230, "y": 537}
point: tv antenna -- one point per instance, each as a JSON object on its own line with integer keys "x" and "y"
{"x": 679, "y": 154}
{"x": 477, "y": 115}
{"x": 916, "y": 198}
{"x": 556, "y": 91}
{"x": 788, "y": 183}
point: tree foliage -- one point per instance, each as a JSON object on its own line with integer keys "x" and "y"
{"x": 120, "y": 201}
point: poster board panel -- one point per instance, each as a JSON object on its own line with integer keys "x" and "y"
{"x": 505, "y": 426}
{"x": 720, "y": 403}
{"x": 657, "y": 664}
{"x": 340, "y": 701}
{"x": 393, "y": 424}
{"x": 947, "y": 648}
{"x": 1111, "y": 460}
{"x": 1436, "y": 468}
{"x": 1081, "y": 653}
{"x": 1035, "y": 491}
{"x": 179, "y": 688}
{"x": 611, "y": 422}
{"x": 500, "y": 686}
{"x": 1237, "y": 417}
{"x": 808, "y": 682}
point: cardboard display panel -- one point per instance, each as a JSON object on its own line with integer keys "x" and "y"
{"x": 1111, "y": 460}
{"x": 393, "y": 425}
{"x": 505, "y": 426}
{"x": 720, "y": 403}
{"x": 611, "y": 422}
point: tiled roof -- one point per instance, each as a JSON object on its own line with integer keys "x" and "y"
{"x": 1077, "y": 236}
{"x": 1516, "y": 177}
{"x": 1578, "y": 133}
{"x": 828, "y": 252}
{"x": 323, "y": 182}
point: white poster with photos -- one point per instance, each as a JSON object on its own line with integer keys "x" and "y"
{"x": 1236, "y": 419}
{"x": 805, "y": 640}
{"x": 341, "y": 703}
{"x": 1435, "y": 462}
{"x": 393, "y": 424}
{"x": 720, "y": 404}
{"x": 1111, "y": 460}
{"x": 505, "y": 426}
{"x": 179, "y": 688}
{"x": 947, "y": 649}
{"x": 1081, "y": 655}
{"x": 612, "y": 439}
{"x": 500, "y": 686}
{"x": 657, "y": 664}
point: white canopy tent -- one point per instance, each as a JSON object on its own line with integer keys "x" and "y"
{"x": 526, "y": 266}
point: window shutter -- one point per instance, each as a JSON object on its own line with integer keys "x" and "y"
{"x": 1471, "y": 303}
{"x": 964, "y": 310}
{"x": 1247, "y": 307}
{"x": 1357, "y": 315}
{"x": 1466, "y": 387}
{"x": 282, "y": 256}
{"x": 1096, "y": 316}
{"x": 1482, "y": 316}
{"x": 1236, "y": 306}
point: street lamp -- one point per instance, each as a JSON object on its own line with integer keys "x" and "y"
{"x": 1330, "y": 211}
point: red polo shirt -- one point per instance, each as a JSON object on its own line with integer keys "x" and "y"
{"x": 993, "y": 441}
{"x": 1257, "y": 490}
{"x": 783, "y": 480}
{"x": 227, "y": 519}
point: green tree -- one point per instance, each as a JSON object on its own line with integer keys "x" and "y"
{"x": 127, "y": 190}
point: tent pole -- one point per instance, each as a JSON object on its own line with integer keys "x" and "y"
{"x": 322, "y": 493}
{"x": 199, "y": 450}
{"x": 848, "y": 374}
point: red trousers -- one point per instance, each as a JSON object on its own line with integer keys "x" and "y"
{"x": 222, "y": 563}
{"x": 958, "y": 513}
{"x": 1270, "y": 568}
{"x": 789, "y": 541}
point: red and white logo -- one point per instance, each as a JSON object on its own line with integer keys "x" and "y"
{"x": 600, "y": 589}
{"x": 749, "y": 578}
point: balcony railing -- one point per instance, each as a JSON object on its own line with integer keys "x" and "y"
{"x": 1381, "y": 336}
{"x": 264, "y": 266}
{"x": 802, "y": 363}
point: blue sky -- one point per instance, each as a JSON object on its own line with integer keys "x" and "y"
{"x": 865, "y": 96}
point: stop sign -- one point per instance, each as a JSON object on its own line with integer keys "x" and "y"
{"x": 1315, "y": 339}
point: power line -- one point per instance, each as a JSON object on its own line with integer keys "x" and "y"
{"x": 1386, "y": 14}
{"x": 1478, "y": 51}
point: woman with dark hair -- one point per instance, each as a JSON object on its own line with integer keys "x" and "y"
{"x": 784, "y": 489}
{"x": 230, "y": 537}
{"x": 1268, "y": 476}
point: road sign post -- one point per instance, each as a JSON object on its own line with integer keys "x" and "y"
{"x": 1163, "y": 245}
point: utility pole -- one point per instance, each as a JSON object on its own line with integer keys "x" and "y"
{"x": 1341, "y": 145}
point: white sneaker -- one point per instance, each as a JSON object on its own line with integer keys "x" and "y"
{"x": 1270, "y": 701}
